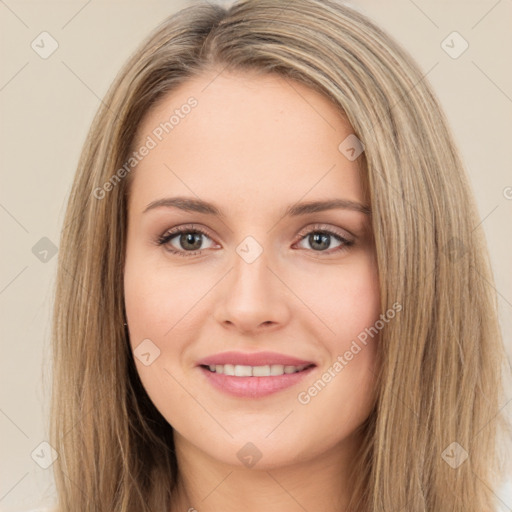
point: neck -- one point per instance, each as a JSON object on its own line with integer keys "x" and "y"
{"x": 208, "y": 485}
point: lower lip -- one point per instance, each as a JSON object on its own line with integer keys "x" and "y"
{"x": 254, "y": 387}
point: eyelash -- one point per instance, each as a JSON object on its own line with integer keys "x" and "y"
{"x": 169, "y": 235}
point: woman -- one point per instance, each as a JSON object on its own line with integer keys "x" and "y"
{"x": 272, "y": 293}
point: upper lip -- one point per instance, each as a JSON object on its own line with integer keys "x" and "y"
{"x": 252, "y": 359}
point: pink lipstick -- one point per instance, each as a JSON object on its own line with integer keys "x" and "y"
{"x": 254, "y": 375}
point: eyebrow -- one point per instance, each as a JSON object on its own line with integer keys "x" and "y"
{"x": 201, "y": 206}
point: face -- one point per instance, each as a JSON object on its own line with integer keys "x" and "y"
{"x": 246, "y": 309}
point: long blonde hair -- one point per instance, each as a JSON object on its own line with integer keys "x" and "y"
{"x": 441, "y": 359}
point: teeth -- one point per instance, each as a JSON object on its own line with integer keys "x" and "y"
{"x": 261, "y": 371}
{"x": 243, "y": 371}
{"x": 255, "y": 371}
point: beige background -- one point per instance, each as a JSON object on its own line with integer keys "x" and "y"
{"x": 48, "y": 104}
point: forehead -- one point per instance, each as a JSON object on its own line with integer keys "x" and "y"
{"x": 244, "y": 136}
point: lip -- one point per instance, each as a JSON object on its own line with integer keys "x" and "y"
{"x": 252, "y": 359}
{"x": 253, "y": 387}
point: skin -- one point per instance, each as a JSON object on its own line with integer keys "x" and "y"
{"x": 253, "y": 146}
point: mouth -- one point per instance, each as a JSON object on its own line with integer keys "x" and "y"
{"x": 269, "y": 373}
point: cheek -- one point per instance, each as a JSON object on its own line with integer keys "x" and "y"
{"x": 358, "y": 315}
{"x": 156, "y": 296}
{"x": 345, "y": 299}
{"x": 358, "y": 301}
{"x": 348, "y": 303}
{"x": 154, "y": 308}
{"x": 144, "y": 308}
{"x": 361, "y": 299}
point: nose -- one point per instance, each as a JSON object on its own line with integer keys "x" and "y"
{"x": 253, "y": 297}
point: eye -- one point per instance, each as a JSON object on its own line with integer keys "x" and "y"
{"x": 189, "y": 240}
{"x": 320, "y": 238}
